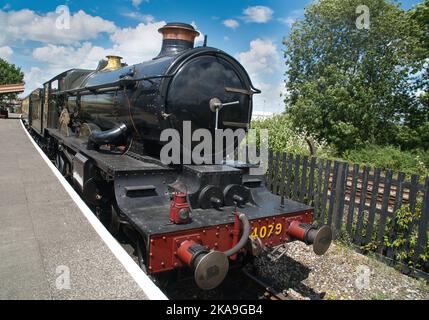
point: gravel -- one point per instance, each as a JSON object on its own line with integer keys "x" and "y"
{"x": 340, "y": 274}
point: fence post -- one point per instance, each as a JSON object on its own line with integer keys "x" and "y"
{"x": 423, "y": 225}
{"x": 372, "y": 206}
{"x": 391, "y": 252}
{"x": 296, "y": 178}
{"x": 303, "y": 179}
{"x": 340, "y": 193}
{"x": 311, "y": 181}
{"x": 282, "y": 181}
{"x": 318, "y": 193}
{"x": 384, "y": 210}
{"x": 333, "y": 192}
{"x": 352, "y": 199}
{"x": 289, "y": 176}
{"x": 269, "y": 175}
{"x": 276, "y": 174}
{"x": 364, "y": 189}
{"x": 325, "y": 190}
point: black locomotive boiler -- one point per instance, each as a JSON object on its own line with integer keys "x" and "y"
{"x": 102, "y": 130}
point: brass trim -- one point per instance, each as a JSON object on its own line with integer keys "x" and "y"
{"x": 113, "y": 63}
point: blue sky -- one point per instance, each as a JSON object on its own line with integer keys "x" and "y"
{"x": 252, "y": 31}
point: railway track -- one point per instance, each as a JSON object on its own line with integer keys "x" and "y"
{"x": 392, "y": 198}
{"x": 240, "y": 285}
{"x": 269, "y": 292}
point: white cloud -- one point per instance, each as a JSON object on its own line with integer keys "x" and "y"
{"x": 288, "y": 20}
{"x": 33, "y": 79}
{"x": 262, "y": 57}
{"x": 139, "y": 16}
{"x": 231, "y": 23}
{"x": 291, "y": 19}
{"x": 26, "y": 24}
{"x": 258, "y": 14}
{"x": 137, "y": 3}
{"x": 6, "y": 52}
{"x": 57, "y": 59}
{"x": 62, "y": 58}
{"x": 138, "y": 44}
{"x": 200, "y": 38}
{"x": 263, "y": 63}
{"x": 272, "y": 97}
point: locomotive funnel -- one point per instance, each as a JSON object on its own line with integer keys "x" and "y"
{"x": 177, "y": 37}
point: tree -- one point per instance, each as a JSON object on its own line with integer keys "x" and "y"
{"x": 9, "y": 74}
{"x": 420, "y": 14}
{"x": 349, "y": 83}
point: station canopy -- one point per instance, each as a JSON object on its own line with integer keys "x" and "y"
{"x": 11, "y": 88}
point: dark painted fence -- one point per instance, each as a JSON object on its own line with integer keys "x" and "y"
{"x": 365, "y": 204}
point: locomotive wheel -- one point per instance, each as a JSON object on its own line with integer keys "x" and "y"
{"x": 59, "y": 163}
{"x": 67, "y": 171}
{"x": 114, "y": 223}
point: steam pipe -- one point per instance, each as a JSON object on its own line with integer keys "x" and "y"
{"x": 244, "y": 237}
{"x": 112, "y": 136}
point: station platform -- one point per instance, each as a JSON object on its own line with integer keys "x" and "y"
{"x": 50, "y": 245}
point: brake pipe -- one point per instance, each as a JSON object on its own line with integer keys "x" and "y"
{"x": 244, "y": 237}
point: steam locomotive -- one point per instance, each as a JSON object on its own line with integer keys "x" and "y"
{"x": 102, "y": 130}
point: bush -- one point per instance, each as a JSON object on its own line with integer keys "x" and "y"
{"x": 283, "y": 138}
{"x": 389, "y": 157}
{"x": 401, "y": 235}
{"x": 412, "y": 138}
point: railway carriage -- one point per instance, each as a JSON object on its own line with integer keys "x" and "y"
{"x": 102, "y": 130}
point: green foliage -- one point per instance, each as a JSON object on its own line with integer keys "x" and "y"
{"x": 405, "y": 239}
{"x": 411, "y": 138}
{"x": 284, "y": 138}
{"x": 400, "y": 235}
{"x": 420, "y": 14}
{"x": 350, "y": 86}
{"x": 389, "y": 157}
{"x": 9, "y": 74}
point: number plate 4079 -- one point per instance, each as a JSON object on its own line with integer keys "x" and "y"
{"x": 267, "y": 231}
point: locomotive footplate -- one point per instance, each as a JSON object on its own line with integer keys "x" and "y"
{"x": 108, "y": 161}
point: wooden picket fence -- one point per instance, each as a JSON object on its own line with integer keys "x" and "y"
{"x": 361, "y": 202}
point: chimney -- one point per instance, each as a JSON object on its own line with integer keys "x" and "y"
{"x": 177, "y": 37}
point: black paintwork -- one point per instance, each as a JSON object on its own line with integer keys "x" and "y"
{"x": 180, "y": 86}
{"x": 150, "y": 214}
{"x": 148, "y": 98}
